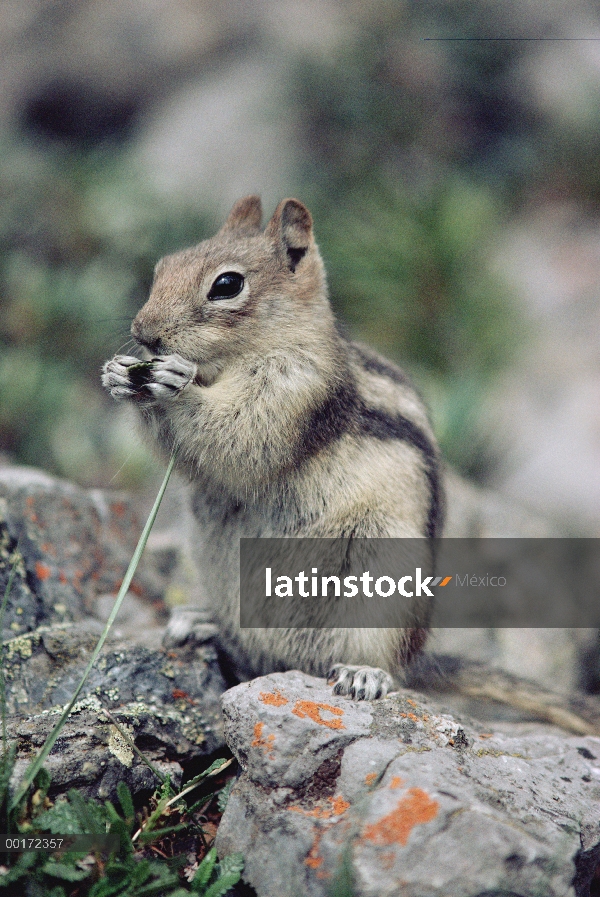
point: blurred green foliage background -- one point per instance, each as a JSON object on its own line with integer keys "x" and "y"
{"x": 79, "y": 236}
{"x": 414, "y": 155}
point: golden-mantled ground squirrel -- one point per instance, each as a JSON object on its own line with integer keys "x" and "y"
{"x": 284, "y": 428}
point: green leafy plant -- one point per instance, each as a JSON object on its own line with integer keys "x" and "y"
{"x": 126, "y": 872}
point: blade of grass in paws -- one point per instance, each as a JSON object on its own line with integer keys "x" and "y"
{"x": 140, "y": 373}
{"x": 34, "y": 767}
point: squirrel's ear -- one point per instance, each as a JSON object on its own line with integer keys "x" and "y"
{"x": 245, "y": 215}
{"x": 291, "y": 228}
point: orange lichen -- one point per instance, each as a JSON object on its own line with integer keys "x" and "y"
{"x": 42, "y": 571}
{"x": 487, "y": 735}
{"x": 338, "y": 808}
{"x": 339, "y": 805}
{"x": 370, "y": 778}
{"x": 258, "y": 728}
{"x": 411, "y": 702}
{"x": 316, "y": 812}
{"x": 415, "y": 808}
{"x": 397, "y": 782}
{"x": 312, "y": 709}
{"x": 178, "y": 694}
{"x": 274, "y": 698}
{"x": 313, "y": 860}
{"x": 264, "y": 744}
{"x": 412, "y": 716}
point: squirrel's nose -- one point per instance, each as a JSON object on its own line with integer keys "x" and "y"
{"x": 145, "y": 335}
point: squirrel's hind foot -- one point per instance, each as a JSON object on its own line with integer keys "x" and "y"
{"x": 361, "y": 683}
{"x": 188, "y": 623}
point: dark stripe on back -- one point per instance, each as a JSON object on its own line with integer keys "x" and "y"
{"x": 435, "y": 518}
{"x": 381, "y": 425}
{"x": 329, "y": 421}
{"x": 344, "y": 412}
{"x": 381, "y": 367}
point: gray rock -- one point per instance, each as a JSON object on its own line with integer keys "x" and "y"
{"x": 91, "y": 754}
{"x": 70, "y": 545}
{"x": 396, "y": 797}
{"x": 70, "y": 548}
{"x": 167, "y": 703}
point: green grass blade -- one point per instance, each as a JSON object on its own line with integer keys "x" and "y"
{"x": 11, "y": 577}
{"x": 32, "y": 769}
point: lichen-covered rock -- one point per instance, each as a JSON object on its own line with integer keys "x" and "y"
{"x": 91, "y": 754}
{"x": 168, "y": 703}
{"x": 399, "y": 798}
{"x": 69, "y": 549}
{"x": 68, "y": 545}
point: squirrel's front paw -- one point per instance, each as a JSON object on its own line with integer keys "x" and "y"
{"x": 361, "y": 683}
{"x": 126, "y": 377}
{"x": 169, "y": 374}
{"x": 118, "y": 376}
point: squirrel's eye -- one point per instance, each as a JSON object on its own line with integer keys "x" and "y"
{"x": 226, "y": 286}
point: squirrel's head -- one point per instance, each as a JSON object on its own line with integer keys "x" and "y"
{"x": 242, "y": 291}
